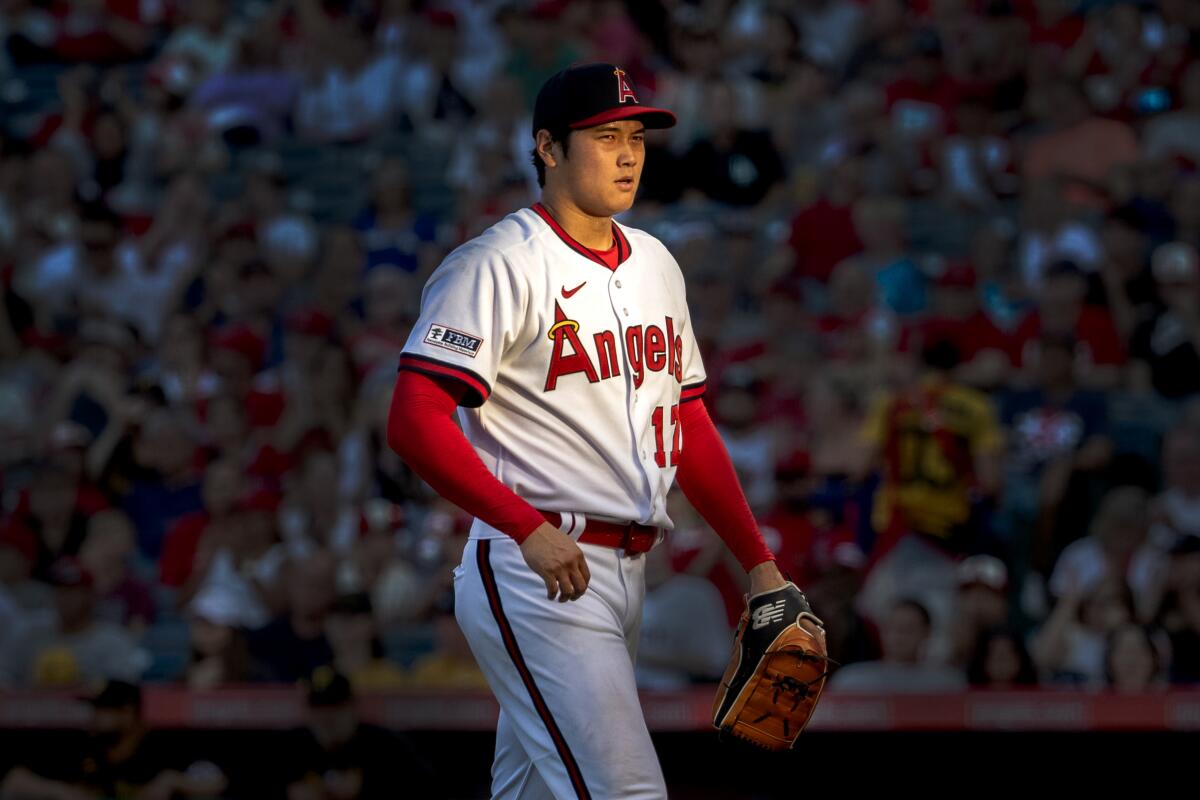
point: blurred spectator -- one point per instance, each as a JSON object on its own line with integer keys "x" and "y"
{"x": 1132, "y": 661}
{"x": 249, "y": 98}
{"x": 679, "y": 642}
{"x": 73, "y": 647}
{"x": 293, "y": 644}
{"x": 240, "y": 559}
{"x": 903, "y": 668}
{"x": 1176, "y": 608}
{"x": 981, "y": 606}
{"x": 106, "y": 553}
{"x": 1116, "y": 546}
{"x": 1071, "y": 645}
{"x": 357, "y": 649}
{"x": 1176, "y": 512}
{"x": 338, "y": 756}
{"x": 956, "y": 317}
{"x": 50, "y": 513}
{"x": 218, "y": 644}
{"x": 1080, "y": 149}
{"x": 206, "y": 43}
{"x": 122, "y": 758}
{"x": 849, "y": 636}
{"x": 350, "y": 91}
{"x": 885, "y": 258}
{"x": 451, "y": 664}
{"x": 1055, "y": 433}
{"x": 1000, "y": 661}
{"x": 1168, "y": 341}
{"x": 391, "y": 230}
{"x": 164, "y": 480}
{"x": 1062, "y": 311}
{"x": 936, "y": 442}
{"x": 19, "y": 592}
{"x": 1053, "y": 235}
{"x": 181, "y": 543}
{"x": 1177, "y": 134}
{"x": 823, "y": 233}
{"x": 734, "y": 165}
{"x": 829, "y": 30}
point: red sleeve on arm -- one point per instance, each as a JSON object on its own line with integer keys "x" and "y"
{"x": 708, "y": 480}
{"x": 421, "y": 431}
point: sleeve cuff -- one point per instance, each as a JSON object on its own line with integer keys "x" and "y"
{"x": 478, "y": 389}
{"x": 692, "y": 392}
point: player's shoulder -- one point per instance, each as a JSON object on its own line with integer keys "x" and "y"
{"x": 647, "y": 242}
{"x": 648, "y": 248}
{"x": 514, "y": 241}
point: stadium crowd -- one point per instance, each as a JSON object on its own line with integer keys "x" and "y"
{"x": 942, "y": 261}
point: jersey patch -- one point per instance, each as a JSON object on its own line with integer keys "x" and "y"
{"x": 451, "y": 339}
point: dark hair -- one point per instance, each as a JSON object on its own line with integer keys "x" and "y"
{"x": 977, "y": 666}
{"x": 560, "y": 135}
{"x": 941, "y": 355}
{"x": 917, "y": 606}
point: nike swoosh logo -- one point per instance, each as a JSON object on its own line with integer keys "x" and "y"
{"x": 566, "y": 293}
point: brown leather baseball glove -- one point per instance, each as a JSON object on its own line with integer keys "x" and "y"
{"x": 779, "y": 666}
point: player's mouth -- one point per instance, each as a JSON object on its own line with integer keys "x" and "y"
{"x": 625, "y": 184}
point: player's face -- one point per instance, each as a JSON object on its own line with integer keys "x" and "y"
{"x": 604, "y": 166}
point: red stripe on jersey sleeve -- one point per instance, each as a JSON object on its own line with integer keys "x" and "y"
{"x": 692, "y": 392}
{"x": 479, "y": 389}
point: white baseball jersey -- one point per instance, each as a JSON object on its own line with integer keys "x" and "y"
{"x": 582, "y": 367}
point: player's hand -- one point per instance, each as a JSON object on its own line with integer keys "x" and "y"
{"x": 557, "y": 559}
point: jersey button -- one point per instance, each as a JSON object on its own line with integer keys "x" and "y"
{"x": 618, "y": 284}
{"x": 626, "y": 310}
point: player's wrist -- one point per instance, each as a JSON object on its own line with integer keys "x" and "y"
{"x": 766, "y": 576}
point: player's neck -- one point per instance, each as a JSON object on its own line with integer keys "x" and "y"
{"x": 589, "y": 231}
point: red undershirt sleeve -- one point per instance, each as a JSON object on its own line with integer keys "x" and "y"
{"x": 709, "y": 482}
{"x": 421, "y": 430}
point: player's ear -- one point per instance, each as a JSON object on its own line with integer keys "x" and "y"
{"x": 544, "y": 145}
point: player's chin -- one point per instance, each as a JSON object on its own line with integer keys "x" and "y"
{"x": 621, "y": 197}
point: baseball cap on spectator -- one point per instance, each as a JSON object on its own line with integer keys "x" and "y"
{"x": 1175, "y": 262}
{"x": 69, "y": 572}
{"x": 68, "y": 435}
{"x": 847, "y": 553}
{"x": 328, "y": 687}
{"x": 242, "y": 340}
{"x": 591, "y": 94}
{"x": 217, "y": 606}
{"x": 983, "y": 570}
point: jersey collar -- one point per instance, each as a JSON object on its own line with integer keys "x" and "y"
{"x": 622, "y": 243}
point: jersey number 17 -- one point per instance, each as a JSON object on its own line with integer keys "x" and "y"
{"x": 656, "y": 419}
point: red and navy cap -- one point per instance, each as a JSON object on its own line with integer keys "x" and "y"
{"x": 590, "y": 95}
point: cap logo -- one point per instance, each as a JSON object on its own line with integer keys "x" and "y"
{"x": 624, "y": 90}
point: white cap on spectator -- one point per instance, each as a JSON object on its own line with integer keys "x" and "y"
{"x": 986, "y": 570}
{"x": 1175, "y": 262}
{"x": 218, "y": 607}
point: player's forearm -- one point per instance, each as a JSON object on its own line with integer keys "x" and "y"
{"x": 708, "y": 480}
{"x": 422, "y": 432}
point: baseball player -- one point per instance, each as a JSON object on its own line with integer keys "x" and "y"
{"x": 563, "y": 340}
